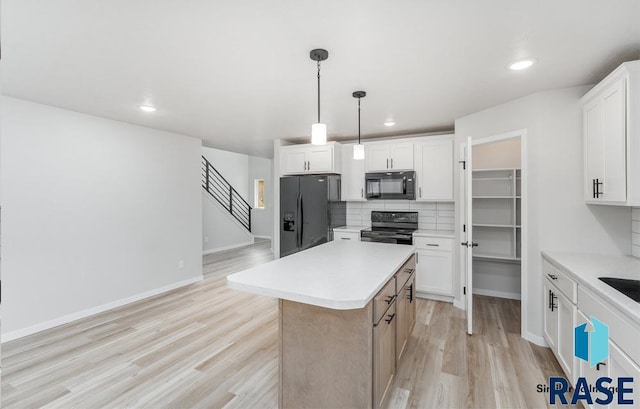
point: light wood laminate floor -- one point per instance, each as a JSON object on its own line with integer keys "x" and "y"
{"x": 207, "y": 346}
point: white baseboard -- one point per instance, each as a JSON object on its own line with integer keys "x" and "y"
{"x": 535, "y": 339}
{"x": 261, "y": 237}
{"x": 436, "y": 297}
{"x": 499, "y": 294}
{"x": 461, "y": 304}
{"x": 94, "y": 310}
{"x": 230, "y": 247}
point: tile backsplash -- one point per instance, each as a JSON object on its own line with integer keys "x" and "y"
{"x": 635, "y": 231}
{"x": 431, "y": 216}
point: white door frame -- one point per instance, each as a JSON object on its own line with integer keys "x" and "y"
{"x": 524, "y": 256}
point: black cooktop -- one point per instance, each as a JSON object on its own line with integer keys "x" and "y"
{"x": 630, "y": 288}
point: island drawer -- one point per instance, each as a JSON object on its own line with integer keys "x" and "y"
{"x": 383, "y": 300}
{"x": 404, "y": 273}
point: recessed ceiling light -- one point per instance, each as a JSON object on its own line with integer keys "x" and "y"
{"x": 389, "y": 123}
{"x": 147, "y": 108}
{"x": 522, "y": 64}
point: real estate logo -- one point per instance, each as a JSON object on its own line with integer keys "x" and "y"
{"x": 591, "y": 341}
{"x": 590, "y": 344}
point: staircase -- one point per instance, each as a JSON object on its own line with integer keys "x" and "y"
{"x": 219, "y": 189}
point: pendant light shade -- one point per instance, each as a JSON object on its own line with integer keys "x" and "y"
{"x": 319, "y": 130}
{"x": 358, "y": 149}
{"x": 319, "y": 134}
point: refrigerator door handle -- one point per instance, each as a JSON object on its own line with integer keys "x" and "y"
{"x": 299, "y": 220}
{"x": 301, "y": 217}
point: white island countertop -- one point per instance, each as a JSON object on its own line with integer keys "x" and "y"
{"x": 586, "y": 268}
{"x": 341, "y": 275}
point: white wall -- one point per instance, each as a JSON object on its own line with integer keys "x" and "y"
{"x": 233, "y": 166}
{"x": 261, "y": 219}
{"x": 558, "y": 219}
{"x": 94, "y": 212}
{"x": 504, "y": 154}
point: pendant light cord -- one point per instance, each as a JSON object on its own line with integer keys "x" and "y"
{"x": 318, "y": 91}
{"x": 358, "y": 121}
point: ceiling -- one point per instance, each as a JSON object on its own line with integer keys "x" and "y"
{"x": 238, "y": 75}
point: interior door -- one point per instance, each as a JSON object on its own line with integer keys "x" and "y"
{"x": 468, "y": 242}
{"x": 314, "y": 210}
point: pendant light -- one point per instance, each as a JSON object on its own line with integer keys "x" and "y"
{"x": 319, "y": 130}
{"x": 358, "y": 149}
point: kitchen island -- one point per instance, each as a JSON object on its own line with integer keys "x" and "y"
{"x": 346, "y": 310}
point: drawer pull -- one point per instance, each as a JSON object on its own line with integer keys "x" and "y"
{"x": 345, "y": 238}
{"x": 390, "y": 299}
{"x": 552, "y": 276}
{"x": 409, "y": 270}
{"x": 391, "y": 317}
{"x": 598, "y": 365}
{"x": 433, "y": 245}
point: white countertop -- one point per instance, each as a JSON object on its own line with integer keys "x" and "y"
{"x": 349, "y": 229}
{"x": 586, "y": 268}
{"x": 341, "y": 275}
{"x": 434, "y": 233}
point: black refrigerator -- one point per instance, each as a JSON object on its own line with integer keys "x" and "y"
{"x": 310, "y": 207}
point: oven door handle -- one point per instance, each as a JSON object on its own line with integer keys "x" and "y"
{"x": 404, "y": 185}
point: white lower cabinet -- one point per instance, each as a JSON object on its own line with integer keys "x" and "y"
{"x": 568, "y": 303}
{"x": 434, "y": 265}
{"x": 566, "y": 323}
{"x": 559, "y": 321}
{"x": 550, "y": 316}
{"x": 620, "y": 365}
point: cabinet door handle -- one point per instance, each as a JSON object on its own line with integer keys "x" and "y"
{"x": 553, "y": 277}
{"x": 305, "y": 165}
{"x": 387, "y": 163}
{"x": 419, "y": 192}
{"x": 361, "y": 192}
{"x": 410, "y": 295}
{"x": 598, "y": 365}
{"x": 598, "y": 192}
{"x": 553, "y": 304}
{"x": 593, "y": 187}
{"x": 390, "y": 299}
{"x": 309, "y": 165}
{"x": 391, "y": 317}
{"x": 391, "y": 163}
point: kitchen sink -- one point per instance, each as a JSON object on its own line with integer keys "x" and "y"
{"x": 630, "y": 288}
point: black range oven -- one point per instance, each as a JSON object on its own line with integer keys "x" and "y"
{"x": 391, "y": 227}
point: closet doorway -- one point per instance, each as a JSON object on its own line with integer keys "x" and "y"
{"x": 493, "y": 190}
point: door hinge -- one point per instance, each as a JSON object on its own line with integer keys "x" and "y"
{"x": 464, "y": 164}
{"x": 464, "y": 290}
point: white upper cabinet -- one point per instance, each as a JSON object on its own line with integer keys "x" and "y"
{"x": 301, "y": 159}
{"x": 389, "y": 156}
{"x": 611, "y": 131}
{"x": 434, "y": 169}
{"x": 352, "y": 176}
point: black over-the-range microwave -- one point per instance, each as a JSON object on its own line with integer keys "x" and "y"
{"x": 391, "y": 185}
